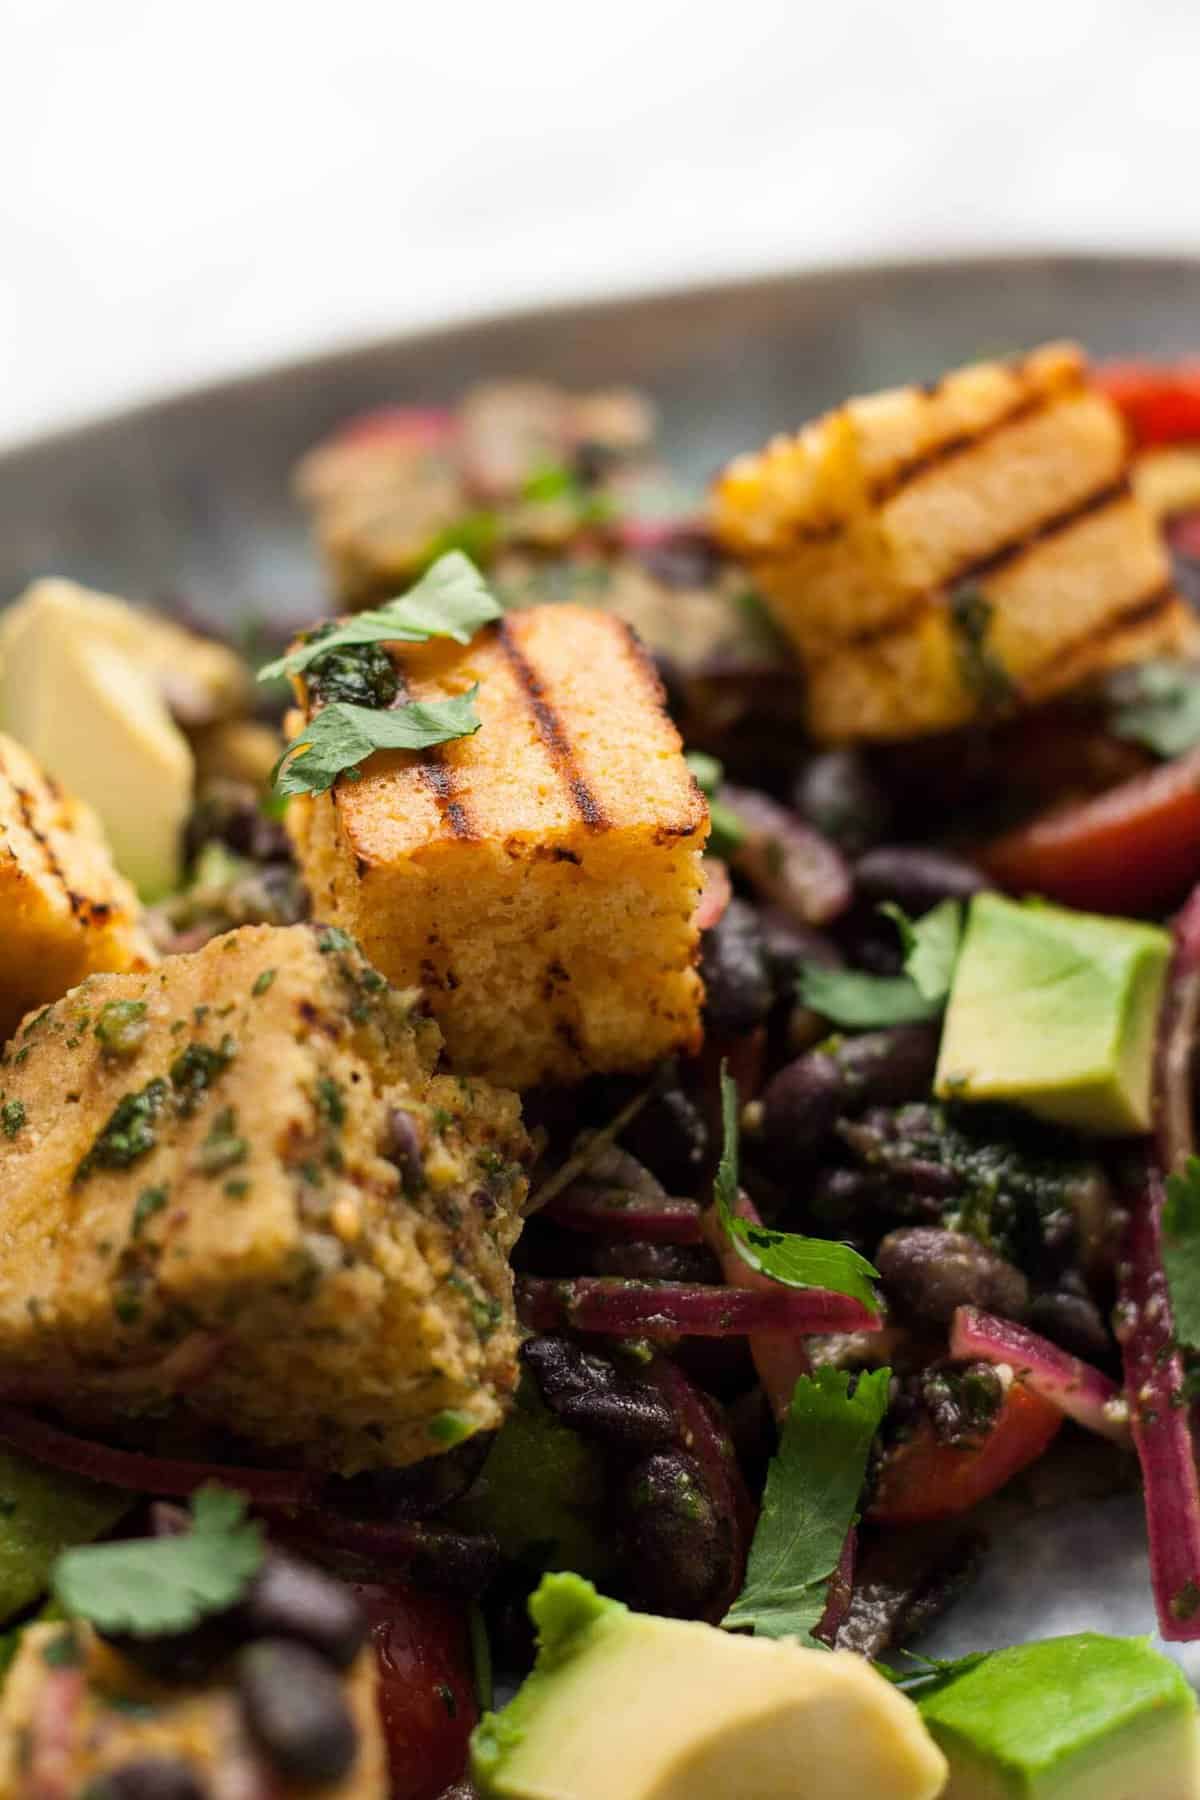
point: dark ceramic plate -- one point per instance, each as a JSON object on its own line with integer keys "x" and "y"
{"x": 188, "y": 498}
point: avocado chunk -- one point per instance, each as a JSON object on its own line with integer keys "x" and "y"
{"x": 626, "y": 1704}
{"x": 42, "y": 1512}
{"x": 88, "y": 684}
{"x": 1054, "y": 1011}
{"x": 1071, "y": 1718}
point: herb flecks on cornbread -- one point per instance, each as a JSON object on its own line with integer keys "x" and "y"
{"x": 118, "y": 1715}
{"x": 939, "y": 554}
{"x": 66, "y": 910}
{"x": 238, "y": 1184}
{"x": 538, "y": 879}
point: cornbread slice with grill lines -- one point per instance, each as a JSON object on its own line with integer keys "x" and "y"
{"x": 71, "y": 1700}
{"x": 66, "y": 910}
{"x": 539, "y": 879}
{"x": 933, "y": 553}
{"x": 238, "y": 1185}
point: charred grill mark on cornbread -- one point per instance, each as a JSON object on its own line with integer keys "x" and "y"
{"x": 438, "y": 777}
{"x": 980, "y": 567}
{"x": 551, "y": 730}
{"x": 77, "y": 902}
{"x": 1140, "y": 611}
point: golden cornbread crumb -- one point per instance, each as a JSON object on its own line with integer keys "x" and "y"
{"x": 108, "y": 1713}
{"x": 936, "y": 552}
{"x": 539, "y": 879}
{"x": 66, "y": 910}
{"x": 222, "y": 1199}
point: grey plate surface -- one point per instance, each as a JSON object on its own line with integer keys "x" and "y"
{"x": 188, "y": 497}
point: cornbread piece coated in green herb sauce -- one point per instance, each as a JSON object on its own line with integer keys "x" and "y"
{"x": 264, "y": 1205}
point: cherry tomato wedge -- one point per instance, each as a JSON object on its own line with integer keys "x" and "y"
{"x": 426, "y": 1687}
{"x": 1132, "y": 849}
{"x": 1160, "y": 401}
{"x": 923, "y": 1480}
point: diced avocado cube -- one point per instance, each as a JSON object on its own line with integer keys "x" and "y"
{"x": 1055, "y": 1011}
{"x": 1071, "y": 1718}
{"x": 626, "y": 1706}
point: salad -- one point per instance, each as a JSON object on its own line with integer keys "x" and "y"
{"x": 577, "y": 1135}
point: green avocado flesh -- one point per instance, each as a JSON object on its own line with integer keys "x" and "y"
{"x": 1073, "y": 1718}
{"x": 626, "y": 1706}
{"x": 1054, "y": 1011}
{"x": 41, "y": 1513}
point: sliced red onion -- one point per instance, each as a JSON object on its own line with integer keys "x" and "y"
{"x": 1159, "y": 1413}
{"x": 617, "y": 1213}
{"x": 705, "y": 1438}
{"x": 667, "y": 1309}
{"x": 424, "y": 427}
{"x": 1082, "y": 1392}
{"x": 841, "y": 1592}
{"x": 787, "y": 861}
{"x": 145, "y": 1474}
{"x": 1178, "y": 1031}
{"x": 715, "y": 895}
{"x": 780, "y": 1357}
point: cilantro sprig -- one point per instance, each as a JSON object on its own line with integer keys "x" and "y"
{"x": 1181, "y": 1251}
{"x": 341, "y": 736}
{"x": 728, "y": 833}
{"x": 1160, "y": 707}
{"x": 810, "y": 1502}
{"x": 450, "y": 600}
{"x": 783, "y": 1256}
{"x": 156, "y": 1586}
{"x": 850, "y": 998}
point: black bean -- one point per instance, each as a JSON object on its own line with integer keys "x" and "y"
{"x": 679, "y": 1548}
{"x": 185, "y": 1657}
{"x": 150, "y": 1778}
{"x": 402, "y": 1147}
{"x": 670, "y": 1136}
{"x": 928, "y": 1272}
{"x": 418, "y": 1491}
{"x": 737, "y": 979}
{"x": 789, "y": 943}
{"x": 902, "y": 1581}
{"x": 837, "y": 793}
{"x": 684, "y": 561}
{"x": 589, "y": 1393}
{"x": 291, "y": 1599}
{"x": 638, "y": 1261}
{"x": 888, "y": 1067}
{"x": 915, "y": 877}
{"x": 800, "y": 1108}
{"x": 296, "y": 1711}
{"x": 1075, "y": 1323}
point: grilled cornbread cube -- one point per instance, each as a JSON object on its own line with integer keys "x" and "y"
{"x": 935, "y": 553}
{"x": 237, "y": 1184}
{"x": 538, "y": 879}
{"x": 65, "y": 909}
{"x": 74, "y": 1711}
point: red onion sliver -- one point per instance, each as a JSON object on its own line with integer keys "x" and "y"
{"x": 145, "y": 1474}
{"x": 1179, "y": 1027}
{"x": 1082, "y": 1392}
{"x": 1159, "y": 1415}
{"x": 780, "y": 1357}
{"x": 617, "y": 1213}
{"x": 841, "y": 1592}
{"x": 425, "y": 1554}
{"x": 424, "y": 427}
{"x": 666, "y": 1309}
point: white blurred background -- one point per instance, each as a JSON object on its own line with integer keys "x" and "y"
{"x": 188, "y": 190}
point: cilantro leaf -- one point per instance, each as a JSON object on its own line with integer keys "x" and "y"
{"x": 1181, "y": 1250}
{"x": 931, "y": 946}
{"x": 1161, "y": 707}
{"x": 727, "y": 831}
{"x": 450, "y": 600}
{"x": 810, "y": 1502}
{"x": 783, "y": 1256}
{"x": 151, "y": 1586}
{"x": 931, "y": 1672}
{"x": 339, "y": 737}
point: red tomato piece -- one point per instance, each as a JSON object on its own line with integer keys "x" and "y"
{"x": 1132, "y": 849}
{"x": 1160, "y": 401}
{"x": 923, "y": 1480}
{"x": 426, "y": 1687}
